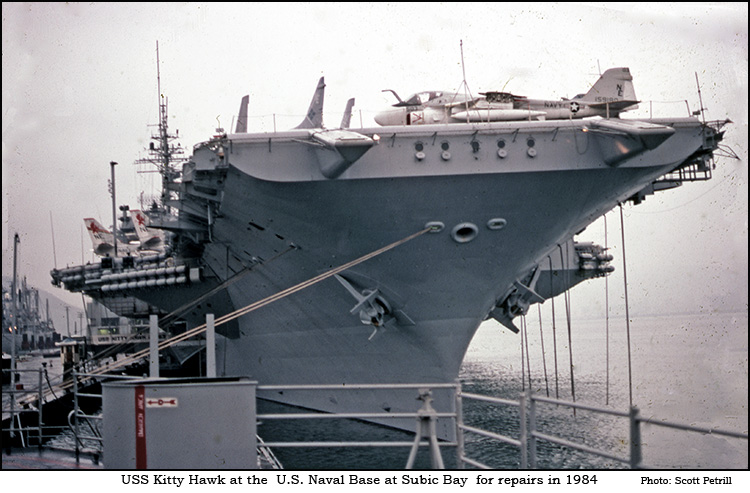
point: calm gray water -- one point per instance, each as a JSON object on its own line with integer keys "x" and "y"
{"x": 687, "y": 368}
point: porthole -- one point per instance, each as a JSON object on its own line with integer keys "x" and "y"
{"x": 496, "y": 223}
{"x": 475, "y": 146}
{"x": 445, "y": 146}
{"x": 530, "y": 142}
{"x": 464, "y": 232}
{"x": 419, "y": 146}
{"x": 435, "y": 226}
{"x": 500, "y": 144}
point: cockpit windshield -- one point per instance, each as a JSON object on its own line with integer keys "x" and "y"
{"x": 422, "y": 97}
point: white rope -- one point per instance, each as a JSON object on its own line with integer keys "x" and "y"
{"x": 266, "y": 301}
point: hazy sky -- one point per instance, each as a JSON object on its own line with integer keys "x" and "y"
{"x": 79, "y": 89}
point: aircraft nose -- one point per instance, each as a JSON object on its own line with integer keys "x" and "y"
{"x": 391, "y": 117}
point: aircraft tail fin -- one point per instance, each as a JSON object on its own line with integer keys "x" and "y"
{"x": 242, "y": 118}
{"x": 347, "y": 118}
{"x": 314, "y": 118}
{"x": 150, "y": 238}
{"x": 615, "y": 84}
{"x": 101, "y": 238}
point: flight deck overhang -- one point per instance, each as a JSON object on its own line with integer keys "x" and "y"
{"x": 337, "y": 150}
{"x": 459, "y": 149}
{"x": 620, "y": 140}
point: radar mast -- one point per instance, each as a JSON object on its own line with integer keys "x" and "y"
{"x": 163, "y": 153}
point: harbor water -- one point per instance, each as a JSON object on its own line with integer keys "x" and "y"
{"x": 690, "y": 369}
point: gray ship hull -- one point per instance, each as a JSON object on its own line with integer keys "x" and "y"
{"x": 445, "y": 288}
{"x": 501, "y": 197}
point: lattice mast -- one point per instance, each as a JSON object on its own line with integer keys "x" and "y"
{"x": 163, "y": 153}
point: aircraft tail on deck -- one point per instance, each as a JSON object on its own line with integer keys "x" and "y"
{"x": 347, "y": 118}
{"x": 150, "y": 238}
{"x": 614, "y": 86}
{"x": 101, "y": 238}
{"x": 242, "y": 118}
{"x": 314, "y": 118}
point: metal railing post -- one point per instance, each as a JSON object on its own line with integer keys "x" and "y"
{"x": 153, "y": 345}
{"x": 532, "y": 430}
{"x": 459, "y": 424}
{"x": 40, "y": 406}
{"x": 210, "y": 346}
{"x": 13, "y": 374}
{"x": 635, "y": 439}
{"x": 523, "y": 437}
{"x": 75, "y": 414}
{"x": 426, "y": 428}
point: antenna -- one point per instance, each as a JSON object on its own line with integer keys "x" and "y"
{"x": 82, "y": 249}
{"x": 700, "y": 99}
{"x": 54, "y": 250}
{"x": 464, "y": 84}
{"x": 163, "y": 155}
{"x": 463, "y": 68}
{"x": 158, "y": 79}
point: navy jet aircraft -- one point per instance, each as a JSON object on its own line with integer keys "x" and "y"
{"x": 610, "y": 95}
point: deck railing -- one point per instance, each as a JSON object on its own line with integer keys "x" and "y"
{"x": 14, "y": 410}
{"x": 426, "y": 418}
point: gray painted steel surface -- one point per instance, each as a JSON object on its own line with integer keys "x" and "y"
{"x": 197, "y": 423}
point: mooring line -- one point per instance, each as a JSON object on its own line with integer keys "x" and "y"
{"x": 627, "y": 310}
{"x": 268, "y": 300}
{"x": 528, "y": 356}
{"x": 606, "y": 315}
{"x": 523, "y": 364}
{"x": 565, "y": 259}
{"x": 170, "y": 317}
{"x": 554, "y": 329}
{"x": 544, "y": 358}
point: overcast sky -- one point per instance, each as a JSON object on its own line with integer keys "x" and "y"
{"x": 79, "y": 91}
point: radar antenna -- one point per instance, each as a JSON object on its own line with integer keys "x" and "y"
{"x": 163, "y": 154}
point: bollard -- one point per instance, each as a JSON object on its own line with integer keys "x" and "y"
{"x": 426, "y": 421}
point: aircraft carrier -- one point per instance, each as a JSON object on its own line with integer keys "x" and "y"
{"x": 483, "y": 215}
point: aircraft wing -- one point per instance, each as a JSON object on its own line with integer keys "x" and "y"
{"x": 467, "y": 102}
{"x": 616, "y": 106}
